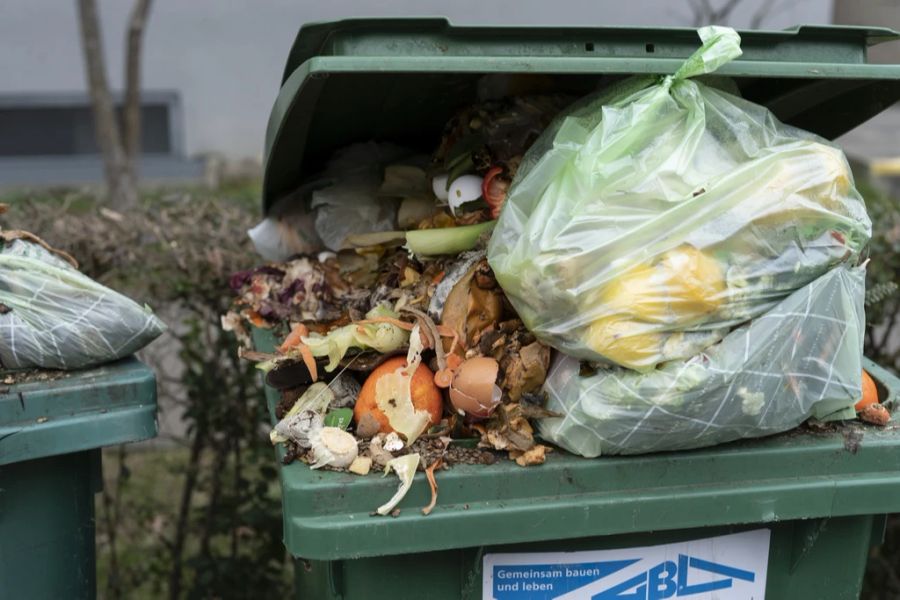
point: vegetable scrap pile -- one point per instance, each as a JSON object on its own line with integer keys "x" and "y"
{"x": 397, "y": 348}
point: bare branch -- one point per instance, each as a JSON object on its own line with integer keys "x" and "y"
{"x": 119, "y": 176}
{"x": 707, "y": 7}
{"x": 703, "y": 12}
{"x": 721, "y": 15}
{"x": 136, "y": 25}
{"x": 761, "y": 13}
{"x": 776, "y": 8}
{"x": 699, "y": 14}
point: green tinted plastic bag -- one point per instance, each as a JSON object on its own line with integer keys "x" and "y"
{"x": 55, "y": 317}
{"x": 651, "y": 219}
{"x": 802, "y": 358}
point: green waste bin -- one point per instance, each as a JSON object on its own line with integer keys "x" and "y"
{"x": 51, "y": 433}
{"x": 789, "y": 516}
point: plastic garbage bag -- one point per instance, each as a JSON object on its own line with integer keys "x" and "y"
{"x": 349, "y": 204}
{"x": 287, "y": 231}
{"x": 345, "y": 199}
{"x": 651, "y": 219}
{"x": 52, "y": 316}
{"x": 802, "y": 358}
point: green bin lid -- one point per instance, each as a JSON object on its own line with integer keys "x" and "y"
{"x": 400, "y": 80}
{"x": 111, "y": 404}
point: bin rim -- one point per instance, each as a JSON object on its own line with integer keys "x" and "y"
{"x": 312, "y": 36}
{"x": 810, "y": 73}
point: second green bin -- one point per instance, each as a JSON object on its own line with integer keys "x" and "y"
{"x": 51, "y": 435}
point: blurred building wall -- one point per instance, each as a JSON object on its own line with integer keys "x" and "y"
{"x": 224, "y": 57}
{"x": 883, "y": 13}
{"x": 875, "y": 146}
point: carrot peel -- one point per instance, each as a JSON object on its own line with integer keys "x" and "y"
{"x": 309, "y": 360}
{"x": 429, "y": 473}
{"x": 295, "y": 337}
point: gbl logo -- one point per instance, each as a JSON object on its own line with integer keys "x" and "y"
{"x": 668, "y": 580}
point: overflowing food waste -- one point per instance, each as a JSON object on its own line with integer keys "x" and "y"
{"x": 397, "y": 350}
{"x": 586, "y": 276}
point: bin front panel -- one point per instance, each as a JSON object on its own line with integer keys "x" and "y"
{"x": 47, "y": 527}
{"x": 111, "y": 404}
{"x": 808, "y": 560}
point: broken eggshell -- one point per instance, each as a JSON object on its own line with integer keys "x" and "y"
{"x": 439, "y": 187}
{"x": 377, "y": 452}
{"x": 474, "y": 389}
{"x": 392, "y": 442}
{"x": 466, "y": 188}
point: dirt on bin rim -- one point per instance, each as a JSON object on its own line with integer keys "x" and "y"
{"x": 853, "y": 432}
{"x": 9, "y": 378}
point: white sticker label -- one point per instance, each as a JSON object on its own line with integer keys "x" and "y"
{"x": 728, "y": 567}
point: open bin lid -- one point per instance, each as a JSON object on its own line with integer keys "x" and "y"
{"x": 401, "y": 80}
{"x": 111, "y": 404}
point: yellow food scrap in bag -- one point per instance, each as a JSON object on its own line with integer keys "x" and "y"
{"x": 684, "y": 286}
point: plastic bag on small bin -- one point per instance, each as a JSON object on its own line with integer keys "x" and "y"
{"x": 802, "y": 358}
{"x": 55, "y": 317}
{"x": 651, "y": 219}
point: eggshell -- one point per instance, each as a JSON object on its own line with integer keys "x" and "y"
{"x": 466, "y": 188}
{"x": 439, "y": 187}
{"x": 474, "y": 390}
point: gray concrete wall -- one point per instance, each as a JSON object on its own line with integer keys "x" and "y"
{"x": 225, "y": 57}
{"x": 883, "y": 13}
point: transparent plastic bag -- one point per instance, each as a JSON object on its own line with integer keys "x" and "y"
{"x": 55, "y": 317}
{"x": 651, "y": 219}
{"x": 349, "y": 204}
{"x": 345, "y": 199}
{"x": 288, "y": 230}
{"x": 802, "y": 358}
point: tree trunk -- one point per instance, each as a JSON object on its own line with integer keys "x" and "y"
{"x": 136, "y": 25}
{"x": 121, "y": 183}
